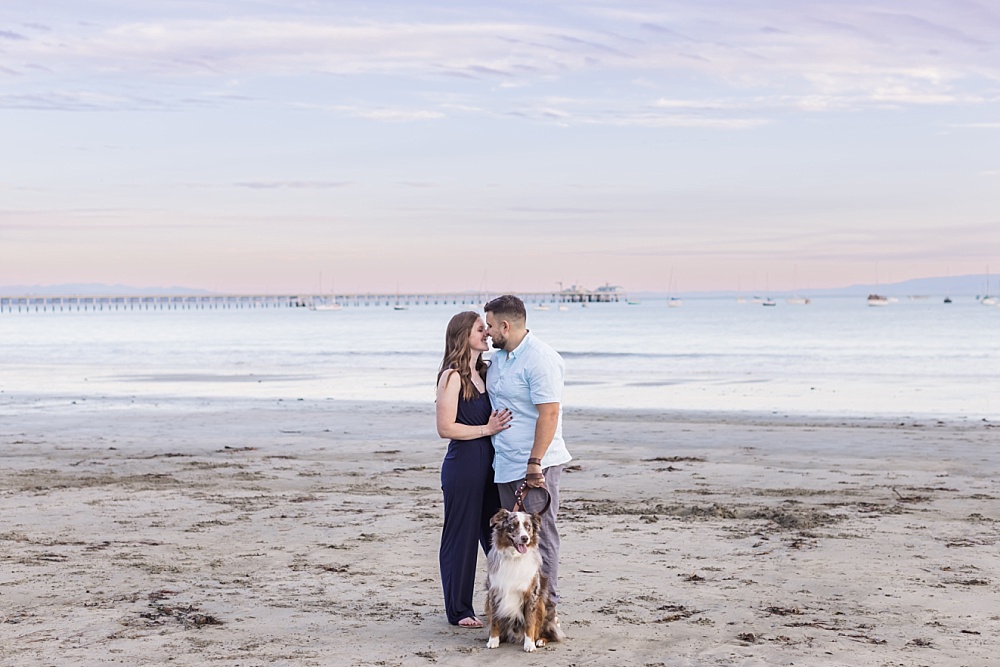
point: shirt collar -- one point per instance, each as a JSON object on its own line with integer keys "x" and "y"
{"x": 523, "y": 345}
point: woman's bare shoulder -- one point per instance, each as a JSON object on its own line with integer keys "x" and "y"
{"x": 447, "y": 376}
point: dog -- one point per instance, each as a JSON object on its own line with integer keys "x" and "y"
{"x": 517, "y": 593}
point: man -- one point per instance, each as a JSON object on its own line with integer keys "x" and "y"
{"x": 526, "y": 377}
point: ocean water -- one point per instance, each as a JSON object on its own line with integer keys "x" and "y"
{"x": 833, "y": 357}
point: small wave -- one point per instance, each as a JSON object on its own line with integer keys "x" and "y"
{"x": 207, "y": 377}
{"x": 417, "y": 354}
{"x": 641, "y": 355}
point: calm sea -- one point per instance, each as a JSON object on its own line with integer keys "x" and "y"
{"x": 833, "y": 357}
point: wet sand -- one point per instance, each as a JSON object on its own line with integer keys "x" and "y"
{"x": 232, "y": 532}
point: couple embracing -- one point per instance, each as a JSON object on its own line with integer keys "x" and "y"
{"x": 504, "y": 424}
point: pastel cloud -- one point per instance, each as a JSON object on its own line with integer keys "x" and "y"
{"x": 770, "y": 130}
{"x": 765, "y": 57}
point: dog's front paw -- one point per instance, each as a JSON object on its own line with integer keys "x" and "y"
{"x": 493, "y": 642}
{"x": 541, "y": 642}
{"x": 529, "y": 645}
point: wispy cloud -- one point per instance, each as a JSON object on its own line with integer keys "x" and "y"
{"x": 396, "y": 115}
{"x": 842, "y": 245}
{"x": 92, "y": 100}
{"x": 334, "y": 45}
{"x": 813, "y": 56}
{"x": 710, "y": 114}
{"x": 293, "y": 185}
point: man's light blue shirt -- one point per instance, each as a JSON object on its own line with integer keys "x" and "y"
{"x": 519, "y": 380}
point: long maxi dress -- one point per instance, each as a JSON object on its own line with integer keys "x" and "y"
{"x": 470, "y": 501}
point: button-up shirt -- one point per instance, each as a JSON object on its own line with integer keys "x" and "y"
{"x": 519, "y": 380}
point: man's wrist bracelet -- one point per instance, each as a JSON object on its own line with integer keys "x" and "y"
{"x": 535, "y": 461}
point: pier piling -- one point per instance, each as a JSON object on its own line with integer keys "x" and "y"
{"x": 29, "y": 303}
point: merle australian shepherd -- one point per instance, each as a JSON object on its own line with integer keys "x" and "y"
{"x": 517, "y": 593}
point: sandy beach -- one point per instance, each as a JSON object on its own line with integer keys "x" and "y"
{"x": 242, "y": 532}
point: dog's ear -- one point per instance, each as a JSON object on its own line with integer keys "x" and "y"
{"x": 536, "y": 523}
{"x": 498, "y": 518}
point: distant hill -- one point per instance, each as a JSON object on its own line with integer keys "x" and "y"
{"x": 94, "y": 289}
{"x": 972, "y": 285}
{"x": 951, "y": 286}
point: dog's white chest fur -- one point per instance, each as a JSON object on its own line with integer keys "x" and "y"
{"x": 511, "y": 575}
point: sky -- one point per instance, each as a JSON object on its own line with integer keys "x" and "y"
{"x": 271, "y": 146}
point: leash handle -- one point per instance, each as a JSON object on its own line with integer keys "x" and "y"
{"x": 522, "y": 491}
{"x": 519, "y": 496}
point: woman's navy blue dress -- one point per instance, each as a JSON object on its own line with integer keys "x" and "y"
{"x": 470, "y": 501}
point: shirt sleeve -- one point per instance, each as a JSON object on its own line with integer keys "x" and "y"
{"x": 545, "y": 379}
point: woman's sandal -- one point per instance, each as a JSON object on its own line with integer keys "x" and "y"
{"x": 470, "y": 622}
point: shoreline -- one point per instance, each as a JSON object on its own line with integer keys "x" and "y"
{"x": 267, "y": 532}
{"x": 19, "y": 400}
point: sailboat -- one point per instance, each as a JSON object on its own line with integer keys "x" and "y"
{"x": 398, "y": 305}
{"x": 878, "y": 300}
{"x": 673, "y": 301}
{"x": 798, "y": 300}
{"x": 325, "y": 303}
{"x": 988, "y": 300}
{"x": 767, "y": 285}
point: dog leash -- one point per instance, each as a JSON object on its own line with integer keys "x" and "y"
{"x": 537, "y": 497}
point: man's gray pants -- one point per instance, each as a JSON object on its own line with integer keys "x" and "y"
{"x": 548, "y": 542}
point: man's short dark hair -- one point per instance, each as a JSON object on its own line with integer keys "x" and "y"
{"x": 507, "y": 307}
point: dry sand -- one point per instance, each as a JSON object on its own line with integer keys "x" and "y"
{"x": 233, "y": 532}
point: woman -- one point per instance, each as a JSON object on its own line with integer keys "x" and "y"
{"x": 465, "y": 417}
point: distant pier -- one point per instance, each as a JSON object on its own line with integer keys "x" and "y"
{"x": 30, "y": 303}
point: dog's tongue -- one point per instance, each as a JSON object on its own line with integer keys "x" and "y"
{"x": 521, "y": 548}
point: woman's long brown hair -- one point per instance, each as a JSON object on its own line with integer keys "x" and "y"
{"x": 456, "y": 352}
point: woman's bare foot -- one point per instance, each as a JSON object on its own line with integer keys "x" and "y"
{"x": 470, "y": 622}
